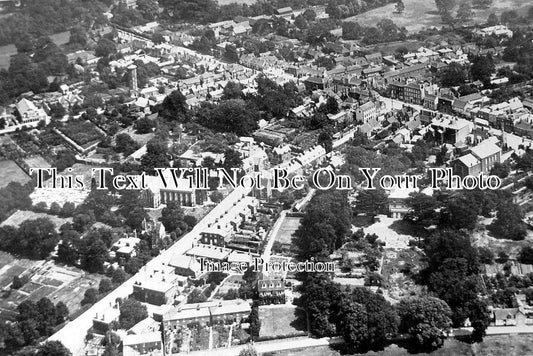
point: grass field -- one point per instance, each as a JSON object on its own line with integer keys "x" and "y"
{"x": 20, "y": 216}
{"x": 508, "y": 345}
{"x": 421, "y": 14}
{"x": 287, "y": 228}
{"x": 279, "y": 321}
{"x": 11, "y": 172}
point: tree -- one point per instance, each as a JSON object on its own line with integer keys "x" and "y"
{"x": 232, "y": 90}
{"x": 119, "y": 276}
{"x": 174, "y": 107}
{"x": 144, "y": 125}
{"x": 381, "y": 318}
{"x": 105, "y": 48}
{"x": 509, "y": 222}
{"x": 172, "y": 216}
{"x": 459, "y": 213}
{"x": 426, "y": 319}
{"x": 526, "y": 255}
{"x": 131, "y": 312}
{"x": 301, "y": 22}
{"x": 482, "y": 68}
{"x": 78, "y": 37}
{"x": 492, "y": 20}
{"x": 371, "y": 202}
{"x": 455, "y": 74}
{"x": 90, "y": 296}
{"x": 400, "y": 7}
{"x": 501, "y": 170}
{"x": 216, "y": 197}
{"x": 464, "y": 13}
{"x": 62, "y": 312}
{"x": 53, "y": 348}
{"x": 422, "y": 209}
{"x": 351, "y": 30}
{"x": 105, "y": 286}
{"x": 255, "y": 323}
{"x": 196, "y": 296}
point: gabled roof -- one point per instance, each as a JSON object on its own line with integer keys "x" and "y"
{"x": 485, "y": 150}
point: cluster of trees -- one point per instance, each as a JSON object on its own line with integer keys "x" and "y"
{"x": 367, "y": 321}
{"x": 460, "y": 211}
{"x": 29, "y": 68}
{"x": 33, "y": 321}
{"x": 15, "y": 196}
{"x": 174, "y": 219}
{"x": 324, "y": 226}
{"x": 340, "y": 9}
{"x": 146, "y": 11}
{"x": 452, "y": 274}
{"x": 384, "y": 31}
{"x": 34, "y": 18}
{"x": 33, "y": 239}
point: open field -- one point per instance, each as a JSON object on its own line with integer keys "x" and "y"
{"x": 11, "y": 172}
{"x": 278, "y": 321}
{"x": 20, "y": 216}
{"x": 287, "y": 228}
{"x": 509, "y": 345}
{"x": 58, "y": 283}
{"x": 421, "y": 14}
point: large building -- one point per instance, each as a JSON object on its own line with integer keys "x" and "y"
{"x": 179, "y": 191}
{"x": 366, "y": 112}
{"x": 157, "y": 287}
{"x": 207, "y": 313}
{"x": 30, "y": 113}
{"x": 149, "y": 344}
{"x": 450, "y": 130}
{"x": 481, "y": 159}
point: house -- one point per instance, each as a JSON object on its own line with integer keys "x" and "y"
{"x": 207, "y": 313}
{"x": 29, "y": 113}
{"x": 150, "y": 344}
{"x": 179, "y": 189}
{"x": 509, "y": 317}
{"x": 450, "y": 130}
{"x": 144, "y": 326}
{"x": 102, "y": 320}
{"x": 186, "y": 266}
{"x": 124, "y": 247}
{"x": 481, "y": 159}
{"x": 366, "y": 112}
{"x": 270, "y": 287}
{"x": 156, "y": 287}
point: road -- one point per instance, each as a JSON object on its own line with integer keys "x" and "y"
{"x": 273, "y": 345}
{"x": 72, "y": 335}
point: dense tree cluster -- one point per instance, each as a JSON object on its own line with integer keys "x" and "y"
{"x": 324, "y": 226}
{"x": 131, "y": 312}
{"x": 384, "y": 31}
{"x": 35, "y": 18}
{"x": 34, "y": 320}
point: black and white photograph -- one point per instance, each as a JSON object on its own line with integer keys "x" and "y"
{"x": 266, "y": 177}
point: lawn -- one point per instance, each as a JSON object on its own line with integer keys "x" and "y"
{"x": 11, "y": 172}
{"x": 421, "y": 14}
{"x": 287, "y": 229}
{"x": 280, "y": 321}
{"x": 20, "y": 216}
